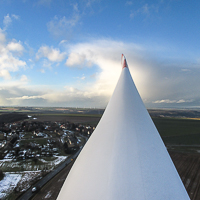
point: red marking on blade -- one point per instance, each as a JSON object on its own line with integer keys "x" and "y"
{"x": 124, "y": 64}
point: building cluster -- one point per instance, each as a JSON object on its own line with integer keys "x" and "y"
{"x": 33, "y": 139}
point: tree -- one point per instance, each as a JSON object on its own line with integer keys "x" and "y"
{"x": 1, "y": 174}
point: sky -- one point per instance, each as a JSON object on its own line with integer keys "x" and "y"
{"x": 68, "y": 53}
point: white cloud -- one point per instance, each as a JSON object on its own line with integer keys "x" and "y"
{"x": 2, "y": 36}
{"x": 106, "y": 55}
{"x": 83, "y": 77}
{"x": 24, "y": 98}
{"x": 62, "y": 42}
{"x": 165, "y": 101}
{"x": 15, "y": 46}
{"x": 145, "y": 10}
{"x": 59, "y": 26}
{"x": 77, "y": 59}
{"x": 8, "y": 20}
{"x": 150, "y": 76}
{"x": 185, "y": 70}
{"x": 9, "y": 60}
{"x": 63, "y": 26}
{"x": 128, "y": 3}
{"x": 173, "y": 101}
{"x": 24, "y": 78}
{"x": 90, "y": 2}
{"x": 5, "y": 74}
{"x": 42, "y": 71}
{"x": 53, "y": 54}
{"x": 15, "y": 16}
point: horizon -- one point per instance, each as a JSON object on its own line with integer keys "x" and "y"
{"x": 67, "y": 53}
{"x": 96, "y": 108}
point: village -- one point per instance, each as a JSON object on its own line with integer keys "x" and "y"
{"x": 29, "y": 149}
{"x": 32, "y": 139}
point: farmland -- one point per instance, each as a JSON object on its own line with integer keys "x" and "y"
{"x": 180, "y": 131}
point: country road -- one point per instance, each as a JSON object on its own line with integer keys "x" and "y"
{"x": 29, "y": 194}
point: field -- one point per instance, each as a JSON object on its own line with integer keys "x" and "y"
{"x": 182, "y": 138}
{"x": 181, "y": 135}
{"x": 176, "y": 127}
{"x": 75, "y": 118}
{"x": 188, "y": 167}
{"x": 174, "y": 131}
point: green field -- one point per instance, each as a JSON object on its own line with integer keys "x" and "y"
{"x": 178, "y": 131}
{"x": 174, "y": 126}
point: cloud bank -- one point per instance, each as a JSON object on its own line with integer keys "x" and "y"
{"x": 159, "y": 81}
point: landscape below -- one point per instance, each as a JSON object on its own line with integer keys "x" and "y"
{"x": 34, "y": 141}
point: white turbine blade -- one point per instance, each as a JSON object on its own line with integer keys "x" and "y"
{"x": 125, "y": 158}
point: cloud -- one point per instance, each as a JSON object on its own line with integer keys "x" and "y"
{"x": 60, "y": 26}
{"x": 145, "y": 10}
{"x": 43, "y": 96}
{"x": 128, "y": 3}
{"x": 24, "y": 78}
{"x": 90, "y": 2}
{"x": 2, "y": 36}
{"x": 62, "y": 42}
{"x": 5, "y": 74}
{"x": 44, "y": 2}
{"x": 173, "y": 101}
{"x": 15, "y": 16}
{"x": 106, "y": 55}
{"x": 15, "y": 46}
{"x": 83, "y": 77}
{"x": 42, "y": 71}
{"x": 76, "y": 59}
{"x": 185, "y": 70}
{"x": 151, "y": 74}
{"x": 100, "y": 57}
{"x": 9, "y": 62}
{"x": 25, "y": 98}
{"x": 8, "y": 20}
{"x": 185, "y": 101}
{"x": 9, "y": 56}
{"x": 52, "y": 54}
{"x": 165, "y": 101}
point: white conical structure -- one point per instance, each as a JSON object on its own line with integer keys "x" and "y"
{"x": 125, "y": 158}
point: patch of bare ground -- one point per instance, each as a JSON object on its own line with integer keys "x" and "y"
{"x": 188, "y": 167}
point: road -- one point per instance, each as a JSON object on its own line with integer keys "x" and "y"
{"x": 29, "y": 194}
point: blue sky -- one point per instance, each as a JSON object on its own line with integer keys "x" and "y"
{"x": 67, "y": 53}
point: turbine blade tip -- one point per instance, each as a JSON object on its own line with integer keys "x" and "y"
{"x": 124, "y": 63}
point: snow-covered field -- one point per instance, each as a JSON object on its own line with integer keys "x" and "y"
{"x": 8, "y": 183}
{"x": 27, "y": 178}
{"x": 9, "y": 164}
{"x": 59, "y": 159}
{"x": 23, "y": 179}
